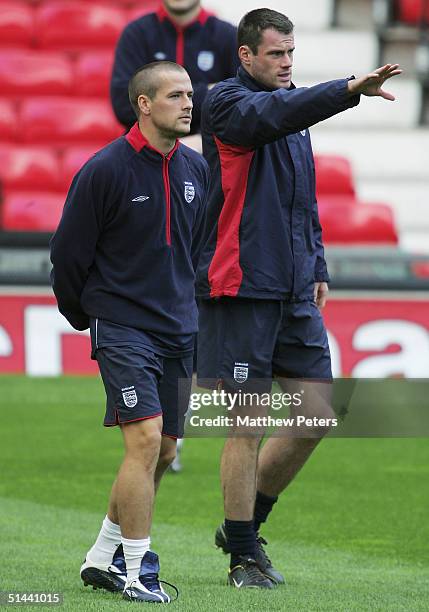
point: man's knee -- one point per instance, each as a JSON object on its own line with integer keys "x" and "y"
{"x": 242, "y": 445}
{"x": 143, "y": 438}
{"x": 167, "y": 455}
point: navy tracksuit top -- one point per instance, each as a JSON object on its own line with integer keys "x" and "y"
{"x": 128, "y": 242}
{"x": 206, "y": 47}
{"x": 263, "y": 237}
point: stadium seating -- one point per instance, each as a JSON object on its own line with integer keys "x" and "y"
{"x": 60, "y": 53}
{"x": 92, "y": 75}
{"x": 63, "y": 121}
{"x": 315, "y": 16}
{"x": 29, "y": 72}
{"x": 333, "y": 175}
{"x": 73, "y": 159}
{"x": 77, "y": 25}
{"x": 16, "y": 23}
{"x": 8, "y": 120}
{"x": 31, "y": 211}
{"x": 28, "y": 167}
{"x": 412, "y": 11}
{"x": 370, "y": 224}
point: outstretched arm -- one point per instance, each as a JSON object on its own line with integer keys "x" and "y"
{"x": 372, "y": 83}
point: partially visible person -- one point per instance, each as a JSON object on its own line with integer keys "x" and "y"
{"x": 124, "y": 259}
{"x": 183, "y": 32}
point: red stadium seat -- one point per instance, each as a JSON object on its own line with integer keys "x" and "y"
{"x": 16, "y": 23}
{"x": 8, "y": 120}
{"x": 360, "y": 224}
{"x": 333, "y": 175}
{"x": 77, "y": 25}
{"x": 26, "y": 72}
{"x": 73, "y": 160}
{"x": 66, "y": 121}
{"x": 32, "y": 211}
{"x": 141, "y": 8}
{"x": 412, "y": 11}
{"x": 339, "y": 199}
{"x": 28, "y": 167}
{"x": 93, "y": 72}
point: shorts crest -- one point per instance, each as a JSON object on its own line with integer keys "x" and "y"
{"x": 130, "y": 397}
{"x": 241, "y": 372}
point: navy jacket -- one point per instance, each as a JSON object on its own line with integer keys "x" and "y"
{"x": 263, "y": 236}
{"x": 128, "y": 242}
{"x": 207, "y": 48}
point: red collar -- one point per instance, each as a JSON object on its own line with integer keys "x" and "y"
{"x": 201, "y": 18}
{"x": 136, "y": 139}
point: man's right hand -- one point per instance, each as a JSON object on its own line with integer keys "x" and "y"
{"x": 371, "y": 84}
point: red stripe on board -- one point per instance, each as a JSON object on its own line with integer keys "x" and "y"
{"x": 225, "y": 274}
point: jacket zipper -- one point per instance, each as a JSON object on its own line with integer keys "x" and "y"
{"x": 180, "y": 46}
{"x": 166, "y": 178}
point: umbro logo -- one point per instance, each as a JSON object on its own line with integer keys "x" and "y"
{"x": 237, "y": 584}
{"x": 140, "y": 199}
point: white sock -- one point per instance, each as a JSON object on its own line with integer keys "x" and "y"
{"x": 134, "y": 551}
{"x": 107, "y": 542}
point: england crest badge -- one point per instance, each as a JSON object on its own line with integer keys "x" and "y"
{"x": 241, "y": 372}
{"x": 189, "y": 192}
{"x": 129, "y": 396}
{"x": 205, "y": 60}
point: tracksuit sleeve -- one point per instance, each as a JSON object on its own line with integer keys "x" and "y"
{"x": 253, "y": 119}
{"x": 320, "y": 269}
{"x": 74, "y": 243}
{"x": 130, "y": 54}
{"x": 198, "y": 231}
{"x": 200, "y": 93}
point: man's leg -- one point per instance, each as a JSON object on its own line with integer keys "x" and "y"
{"x": 135, "y": 487}
{"x": 238, "y": 474}
{"x": 238, "y": 477}
{"x": 279, "y": 462}
{"x": 302, "y": 351}
{"x": 109, "y": 537}
{"x": 167, "y": 455}
{"x": 236, "y": 343}
{"x": 130, "y": 377}
{"x": 130, "y": 510}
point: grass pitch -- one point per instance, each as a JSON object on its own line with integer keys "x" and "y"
{"x": 351, "y": 533}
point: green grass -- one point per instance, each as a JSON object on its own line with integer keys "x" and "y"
{"x": 351, "y": 533}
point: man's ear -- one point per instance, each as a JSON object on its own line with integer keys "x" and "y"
{"x": 245, "y": 53}
{"x": 144, "y": 103}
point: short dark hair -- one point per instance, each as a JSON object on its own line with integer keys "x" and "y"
{"x": 145, "y": 81}
{"x": 254, "y": 23}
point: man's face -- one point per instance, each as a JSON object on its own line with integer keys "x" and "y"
{"x": 171, "y": 108}
{"x": 180, "y": 7}
{"x": 272, "y": 66}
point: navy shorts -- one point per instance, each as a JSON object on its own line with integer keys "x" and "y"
{"x": 244, "y": 340}
{"x": 141, "y": 385}
{"x": 144, "y": 375}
